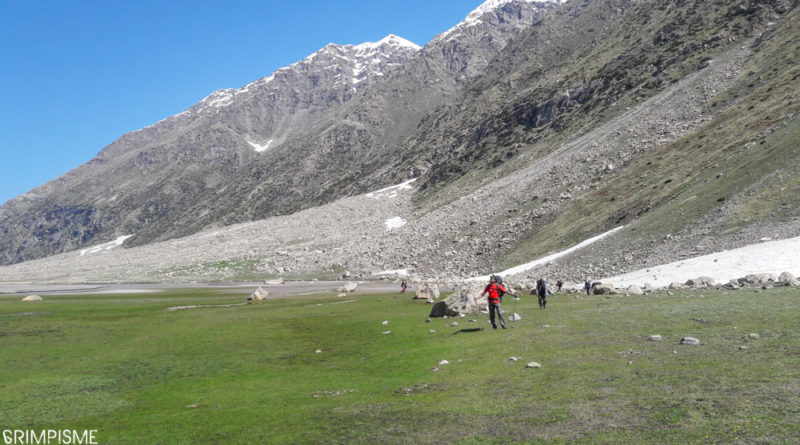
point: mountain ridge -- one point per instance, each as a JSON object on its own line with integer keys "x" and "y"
{"x": 665, "y": 122}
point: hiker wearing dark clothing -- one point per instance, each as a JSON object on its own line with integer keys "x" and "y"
{"x": 495, "y": 291}
{"x": 559, "y": 284}
{"x": 403, "y": 287}
{"x": 541, "y": 292}
{"x": 588, "y": 286}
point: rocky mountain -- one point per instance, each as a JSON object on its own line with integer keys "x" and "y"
{"x": 277, "y": 145}
{"x": 675, "y": 120}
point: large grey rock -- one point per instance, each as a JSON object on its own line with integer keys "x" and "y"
{"x": 427, "y": 291}
{"x": 461, "y": 302}
{"x": 731, "y": 285}
{"x": 701, "y": 282}
{"x": 350, "y": 286}
{"x": 690, "y": 341}
{"x": 635, "y": 290}
{"x": 604, "y": 289}
{"x": 259, "y": 294}
{"x": 758, "y": 279}
{"x": 787, "y": 279}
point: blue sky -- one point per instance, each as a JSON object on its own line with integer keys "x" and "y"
{"x": 77, "y": 75}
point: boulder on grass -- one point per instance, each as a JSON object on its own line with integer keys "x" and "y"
{"x": 787, "y": 279}
{"x": 635, "y": 290}
{"x": 258, "y": 295}
{"x": 427, "y": 291}
{"x": 350, "y": 286}
{"x": 33, "y": 298}
{"x": 758, "y": 279}
{"x": 604, "y": 289}
{"x": 461, "y": 301}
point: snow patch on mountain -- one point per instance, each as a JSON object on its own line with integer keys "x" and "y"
{"x": 394, "y": 223}
{"x": 105, "y": 247}
{"x": 260, "y": 148}
{"x": 546, "y": 259}
{"x": 391, "y": 191}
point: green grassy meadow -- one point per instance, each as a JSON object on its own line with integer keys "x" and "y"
{"x": 126, "y": 366}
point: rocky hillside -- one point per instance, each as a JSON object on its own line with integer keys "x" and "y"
{"x": 677, "y": 120}
{"x": 297, "y": 138}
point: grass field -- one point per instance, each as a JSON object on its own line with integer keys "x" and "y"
{"x": 136, "y": 372}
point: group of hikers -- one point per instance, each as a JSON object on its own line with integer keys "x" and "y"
{"x": 495, "y": 290}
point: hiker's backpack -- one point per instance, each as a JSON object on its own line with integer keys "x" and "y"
{"x": 499, "y": 280}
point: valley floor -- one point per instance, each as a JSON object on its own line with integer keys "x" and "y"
{"x": 369, "y": 368}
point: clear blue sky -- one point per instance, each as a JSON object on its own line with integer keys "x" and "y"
{"x": 76, "y": 75}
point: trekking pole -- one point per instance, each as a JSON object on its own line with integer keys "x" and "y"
{"x": 514, "y": 312}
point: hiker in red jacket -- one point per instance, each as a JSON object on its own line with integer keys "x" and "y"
{"x": 495, "y": 291}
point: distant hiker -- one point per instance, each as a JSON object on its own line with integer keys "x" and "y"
{"x": 403, "y": 287}
{"x": 541, "y": 292}
{"x": 495, "y": 291}
{"x": 559, "y": 284}
{"x": 588, "y": 286}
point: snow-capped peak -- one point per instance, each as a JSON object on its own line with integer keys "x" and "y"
{"x": 366, "y": 60}
{"x": 391, "y": 40}
{"x": 488, "y": 6}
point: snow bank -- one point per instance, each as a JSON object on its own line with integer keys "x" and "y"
{"x": 105, "y": 247}
{"x": 772, "y": 257}
{"x": 394, "y": 223}
{"x": 391, "y": 191}
{"x": 548, "y": 258}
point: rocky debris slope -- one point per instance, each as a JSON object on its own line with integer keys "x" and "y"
{"x": 385, "y": 231}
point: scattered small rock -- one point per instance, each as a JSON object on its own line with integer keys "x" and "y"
{"x": 533, "y": 365}
{"x": 654, "y": 338}
{"x": 690, "y": 341}
{"x": 192, "y": 406}
{"x": 514, "y": 359}
{"x": 385, "y": 322}
{"x": 33, "y": 298}
{"x": 386, "y": 332}
{"x": 753, "y": 336}
{"x": 443, "y": 362}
